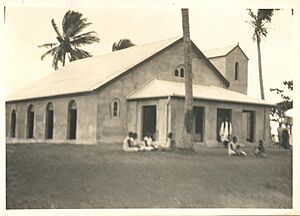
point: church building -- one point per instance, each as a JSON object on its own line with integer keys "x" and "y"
{"x": 98, "y": 100}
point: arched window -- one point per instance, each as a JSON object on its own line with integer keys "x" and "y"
{"x": 30, "y": 121}
{"x": 49, "y": 121}
{"x": 236, "y": 71}
{"x": 115, "y": 108}
{"x": 13, "y": 124}
{"x": 179, "y": 71}
{"x": 72, "y": 120}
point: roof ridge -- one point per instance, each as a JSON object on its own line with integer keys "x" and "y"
{"x": 222, "y": 47}
{"x": 135, "y": 46}
{"x": 175, "y": 38}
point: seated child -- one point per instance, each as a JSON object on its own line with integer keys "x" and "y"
{"x": 128, "y": 144}
{"x": 134, "y": 142}
{"x": 239, "y": 152}
{"x": 259, "y": 151}
{"x": 234, "y": 149}
{"x": 170, "y": 142}
{"x": 149, "y": 144}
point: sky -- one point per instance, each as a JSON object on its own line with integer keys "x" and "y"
{"x": 211, "y": 26}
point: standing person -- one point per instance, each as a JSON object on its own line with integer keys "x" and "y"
{"x": 286, "y": 137}
{"x": 225, "y": 131}
{"x": 279, "y": 133}
{"x": 128, "y": 144}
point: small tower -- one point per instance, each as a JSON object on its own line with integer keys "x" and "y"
{"x": 232, "y": 62}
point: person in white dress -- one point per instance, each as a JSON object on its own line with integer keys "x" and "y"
{"x": 225, "y": 132}
{"x": 234, "y": 148}
{"x": 149, "y": 146}
{"x": 128, "y": 144}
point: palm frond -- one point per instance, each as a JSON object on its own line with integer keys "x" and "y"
{"x": 122, "y": 44}
{"x": 47, "y": 45}
{"x": 80, "y": 27}
{"x": 73, "y": 23}
{"x": 86, "y": 38}
{"x": 55, "y": 61}
{"x": 76, "y": 54}
{"x": 55, "y": 28}
{"x": 51, "y": 51}
{"x": 60, "y": 53}
{"x": 252, "y": 15}
{"x": 265, "y": 14}
{"x": 259, "y": 21}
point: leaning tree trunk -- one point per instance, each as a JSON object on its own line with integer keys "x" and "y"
{"x": 186, "y": 141}
{"x": 261, "y": 83}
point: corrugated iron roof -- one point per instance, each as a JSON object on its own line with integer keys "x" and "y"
{"x": 88, "y": 74}
{"x": 160, "y": 88}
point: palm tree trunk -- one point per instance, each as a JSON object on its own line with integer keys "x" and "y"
{"x": 186, "y": 141}
{"x": 262, "y": 93}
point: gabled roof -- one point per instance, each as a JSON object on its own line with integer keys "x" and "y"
{"x": 160, "y": 88}
{"x": 222, "y": 51}
{"x": 89, "y": 74}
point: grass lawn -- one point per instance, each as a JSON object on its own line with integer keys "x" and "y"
{"x": 103, "y": 176}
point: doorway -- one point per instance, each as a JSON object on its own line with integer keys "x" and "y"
{"x": 49, "y": 121}
{"x": 72, "y": 120}
{"x": 13, "y": 124}
{"x": 30, "y": 122}
{"x": 149, "y": 121}
{"x": 222, "y": 115}
{"x": 198, "y": 124}
{"x": 249, "y": 117}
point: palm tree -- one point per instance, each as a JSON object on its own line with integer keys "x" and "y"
{"x": 70, "y": 40}
{"x": 258, "y": 22}
{"x": 122, "y": 44}
{"x": 186, "y": 141}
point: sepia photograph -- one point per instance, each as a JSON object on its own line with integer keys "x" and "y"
{"x": 159, "y": 105}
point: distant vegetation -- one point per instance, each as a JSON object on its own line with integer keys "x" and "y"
{"x": 122, "y": 44}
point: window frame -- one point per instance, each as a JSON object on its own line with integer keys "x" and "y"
{"x": 72, "y": 105}
{"x": 49, "y": 107}
{"x": 112, "y": 107}
{"x": 30, "y": 114}
{"x": 236, "y": 71}
{"x": 13, "y": 128}
{"x": 179, "y": 71}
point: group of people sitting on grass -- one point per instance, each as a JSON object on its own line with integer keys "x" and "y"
{"x": 234, "y": 149}
{"x": 131, "y": 144}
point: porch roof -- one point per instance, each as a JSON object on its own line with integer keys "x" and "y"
{"x": 161, "y": 88}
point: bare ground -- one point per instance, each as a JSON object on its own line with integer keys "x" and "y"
{"x": 103, "y": 176}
